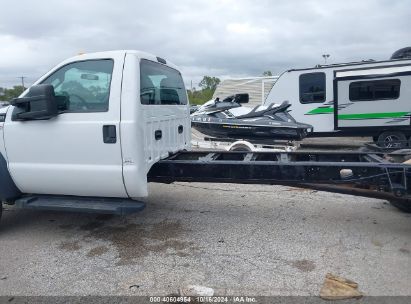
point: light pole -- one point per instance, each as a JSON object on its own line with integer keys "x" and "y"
{"x": 325, "y": 56}
{"x": 22, "y": 81}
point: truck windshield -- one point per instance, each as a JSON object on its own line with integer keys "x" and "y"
{"x": 161, "y": 85}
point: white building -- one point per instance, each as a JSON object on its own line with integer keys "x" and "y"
{"x": 258, "y": 88}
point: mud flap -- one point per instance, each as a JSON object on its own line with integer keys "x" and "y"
{"x": 8, "y": 189}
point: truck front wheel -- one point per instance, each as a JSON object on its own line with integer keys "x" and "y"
{"x": 392, "y": 139}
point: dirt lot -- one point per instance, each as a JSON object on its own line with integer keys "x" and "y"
{"x": 237, "y": 239}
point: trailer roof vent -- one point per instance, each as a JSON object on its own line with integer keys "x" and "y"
{"x": 402, "y": 53}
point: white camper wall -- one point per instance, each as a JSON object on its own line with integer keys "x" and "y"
{"x": 321, "y": 115}
{"x": 374, "y": 112}
{"x": 318, "y": 114}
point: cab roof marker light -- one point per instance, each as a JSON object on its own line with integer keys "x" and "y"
{"x": 161, "y": 60}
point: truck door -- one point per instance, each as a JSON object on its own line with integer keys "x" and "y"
{"x": 78, "y": 152}
{"x": 160, "y": 115}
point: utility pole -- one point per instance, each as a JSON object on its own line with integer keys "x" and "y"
{"x": 22, "y": 81}
{"x": 325, "y": 56}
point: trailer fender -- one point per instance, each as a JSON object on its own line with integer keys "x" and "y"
{"x": 242, "y": 145}
{"x": 8, "y": 189}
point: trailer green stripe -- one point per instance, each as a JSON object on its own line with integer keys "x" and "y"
{"x": 328, "y": 110}
{"x": 372, "y": 115}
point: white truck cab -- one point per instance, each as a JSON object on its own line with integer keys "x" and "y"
{"x": 118, "y": 113}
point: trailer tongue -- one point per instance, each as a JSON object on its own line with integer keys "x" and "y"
{"x": 362, "y": 174}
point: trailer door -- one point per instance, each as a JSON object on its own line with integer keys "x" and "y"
{"x": 378, "y": 97}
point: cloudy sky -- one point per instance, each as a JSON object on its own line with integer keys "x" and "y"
{"x": 223, "y": 38}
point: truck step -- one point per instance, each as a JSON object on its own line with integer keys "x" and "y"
{"x": 80, "y": 204}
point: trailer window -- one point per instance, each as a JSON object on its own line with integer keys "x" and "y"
{"x": 312, "y": 87}
{"x": 375, "y": 90}
{"x": 161, "y": 85}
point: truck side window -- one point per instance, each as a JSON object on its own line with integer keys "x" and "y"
{"x": 312, "y": 87}
{"x": 83, "y": 86}
{"x": 161, "y": 85}
{"x": 375, "y": 90}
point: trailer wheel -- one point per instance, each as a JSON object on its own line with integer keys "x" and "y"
{"x": 392, "y": 139}
{"x": 404, "y": 206}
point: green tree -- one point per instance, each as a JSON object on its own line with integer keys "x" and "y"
{"x": 200, "y": 97}
{"x": 209, "y": 83}
{"x": 267, "y": 73}
{"x": 9, "y": 94}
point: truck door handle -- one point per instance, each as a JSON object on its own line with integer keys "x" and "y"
{"x": 180, "y": 129}
{"x": 158, "y": 134}
{"x": 109, "y": 134}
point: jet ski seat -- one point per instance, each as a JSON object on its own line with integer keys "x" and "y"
{"x": 259, "y": 111}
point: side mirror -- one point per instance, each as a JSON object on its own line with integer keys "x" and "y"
{"x": 241, "y": 98}
{"x": 38, "y": 104}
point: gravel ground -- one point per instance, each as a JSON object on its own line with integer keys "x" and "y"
{"x": 238, "y": 239}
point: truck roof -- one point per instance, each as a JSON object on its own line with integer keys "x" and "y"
{"x": 115, "y": 53}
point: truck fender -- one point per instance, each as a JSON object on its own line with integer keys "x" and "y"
{"x": 8, "y": 189}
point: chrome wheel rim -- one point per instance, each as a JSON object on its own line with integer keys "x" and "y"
{"x": 392, "y": 141}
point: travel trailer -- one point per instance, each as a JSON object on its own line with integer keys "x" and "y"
{"x": 367, "y": 98}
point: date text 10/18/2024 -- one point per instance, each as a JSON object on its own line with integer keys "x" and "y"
{"x": 171, "y": 299}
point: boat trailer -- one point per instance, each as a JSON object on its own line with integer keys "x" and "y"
{"x": 356, "y": 173}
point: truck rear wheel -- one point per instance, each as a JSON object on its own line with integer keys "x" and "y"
{"x": 392, "y": 139}
{"x": 404, "y": 206}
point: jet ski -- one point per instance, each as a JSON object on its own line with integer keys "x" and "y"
{"x": 227, "y": 118}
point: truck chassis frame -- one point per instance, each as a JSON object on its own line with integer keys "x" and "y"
{"x": 362, "y": 174}
{"x": 367, "y": 174}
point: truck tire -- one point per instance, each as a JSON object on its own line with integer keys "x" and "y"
{"x": 392, "y": 139}
{"x": 404, "y": 206}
